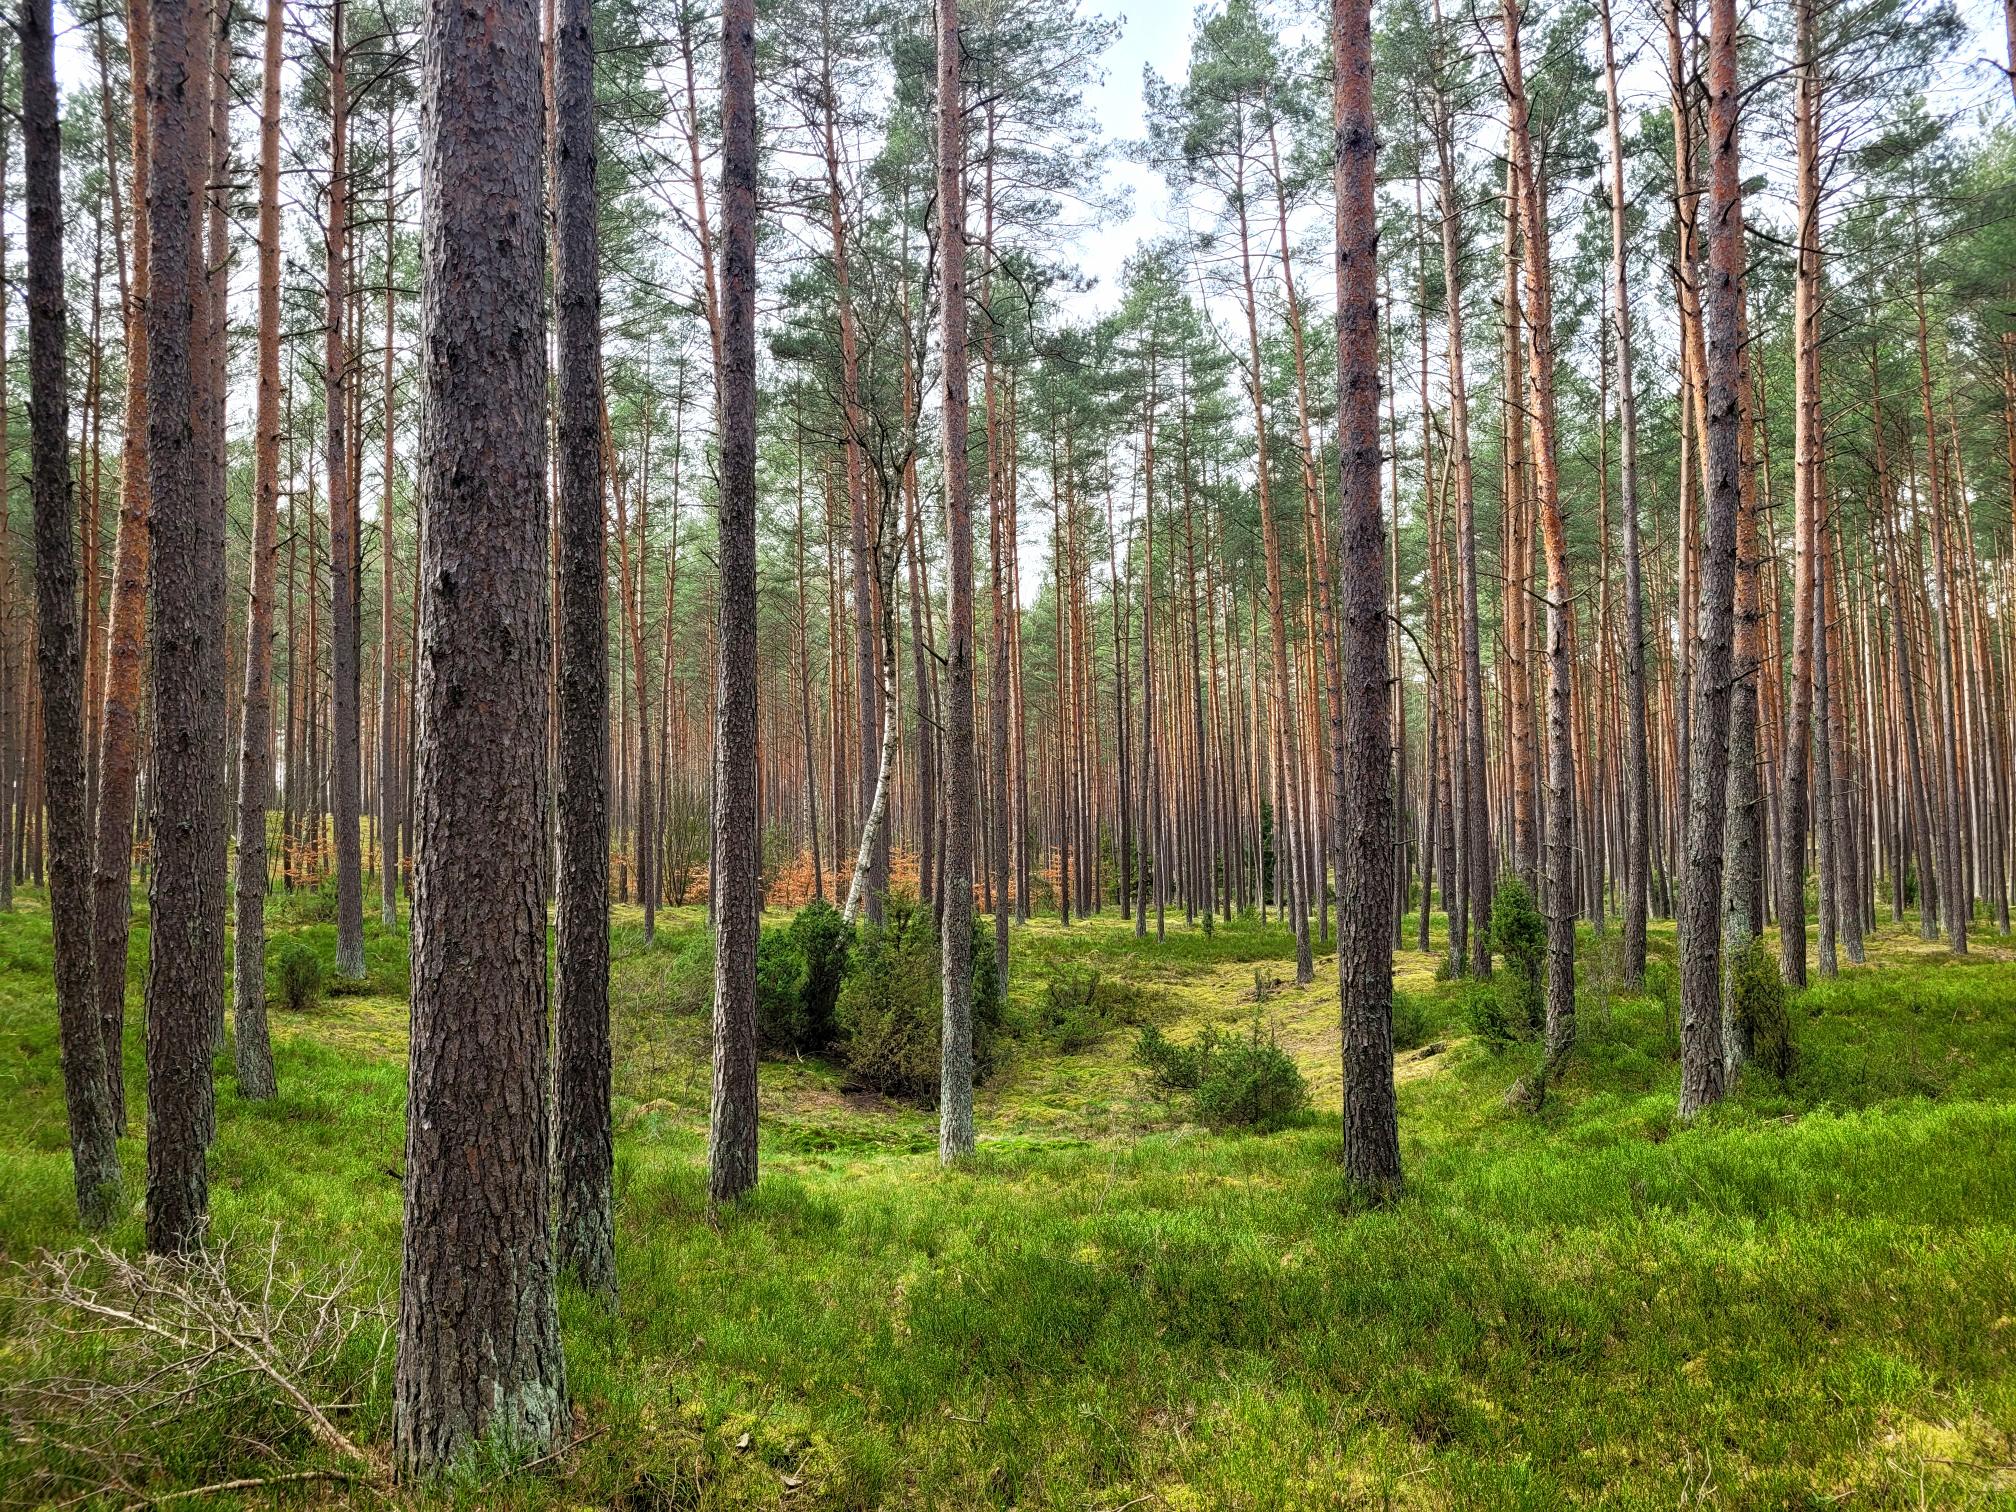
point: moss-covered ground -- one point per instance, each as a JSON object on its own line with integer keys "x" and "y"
{"x": 1806, "y": 1298}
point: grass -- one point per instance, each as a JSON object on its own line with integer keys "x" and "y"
{"x": 1806, "y": 1298}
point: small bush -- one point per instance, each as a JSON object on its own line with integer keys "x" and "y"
{"x": 824, "y": 941}
{"x": 780, "y": 993}
{"x": 891, "y": 1007}
{"x": 1485, "y": 1009}
{"x": 1757, "y": 995}
{"x": 1413, "y": 1024}
{"x": 1079, "y": 1007}
{"x": 1519, "y": 935}
{"x": 1171, "y": 1067}
{"x": 1231, "y": 1082}
{"x": 299, "y": 973}
{"x": 1251, "y": 1084}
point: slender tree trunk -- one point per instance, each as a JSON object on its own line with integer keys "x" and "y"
{"x": 955, "y": 1096}
{"x": 1560, "y": 814}
{"x": 94, "y": 1133}
{"x": 390, "y": 805}
{"x": 119, "y": 723}
{"x": 1360, "y": 742}
{"x": 584, "y": 1239}
{"x": 1702, "y": 1070}
{"x": 479, "y": 1339}
{"x": 736, "y": 882}
{"x": 345, "y": 644}
{"x": 1637, "y": 775}
{"x": 255, "y": 741}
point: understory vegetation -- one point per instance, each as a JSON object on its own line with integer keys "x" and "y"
{"x": 1805, "y": 1297}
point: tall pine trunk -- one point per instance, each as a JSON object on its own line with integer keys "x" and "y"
{"x": 255, "y": 741}
{"x": 735, "y": 884}
{"x": 59, "y": 652}
{"x": 955, "y": 1091}
{"x": 584, "y": 1240}
{"x": 1361, "y": 744}
{"x": 479, "y": 1351}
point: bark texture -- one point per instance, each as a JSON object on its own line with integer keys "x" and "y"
{"x": 736, "y": 883}
{"x": 1361, "y": 743}
{"x": 479, "y": 1336}
{"x": 255, "y": 746}
{"x": 955, "y": 1096}
{"x": 59, "y": 653}
{"x": 586, "y": 1232}
{"x": 185, "y": 958}
{"x": 1702, "y": 1068}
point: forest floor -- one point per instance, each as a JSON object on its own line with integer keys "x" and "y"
{"x": 1806, "y": 1298}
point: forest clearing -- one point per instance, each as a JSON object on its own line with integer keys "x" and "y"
{"x": 991, "y": 753}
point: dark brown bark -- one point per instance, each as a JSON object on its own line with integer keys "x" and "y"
{"x": 345, "y": 642}
{"x": 735, "y": 884}
{"x": 255, "y": 748}
{"x": 585, "y": 1223}
{"x": 1360, "y": 742}
{"x": 185, "y": 963}
{"x": 955, "y": 1096}
{"x": 94, "y": 1147}
{"x": 479, "y": 1338}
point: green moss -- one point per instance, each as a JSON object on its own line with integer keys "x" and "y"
{"x": 1804, "y": 1297}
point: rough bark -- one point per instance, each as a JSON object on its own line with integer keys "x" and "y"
{"x": 255, "y": 747}
{"x": 479, "y": 1354}
{"x": 585, "y": 1233}
{"x": 185, "y": 959}
{"x": 345, "y": 643}
{"x": 59, "y": 653}
{"x": 736, "y": 884}
{"x": 955, "y": 1096}
{"x": 1702, "y": 1069}
{"x": 1360, "y": 742}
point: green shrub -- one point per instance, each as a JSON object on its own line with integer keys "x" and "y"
{"x": 299, "y": 973}
{"x": 1080, "y": 1006}
{"x": 1519, "y": 935}
{"x": 1413, "y": 1024}
{"x": 780, "y": 994}
{"x": 1757, "y": 995}
{"x": 1171, "y": 1067}
{"x": 891, "y": 1006}
{"x": 1485, "y": 1010}
{"x": 1251, "y": 1083}
{"x": 824, "y": 942}
{"x": 1232, "y": 1082}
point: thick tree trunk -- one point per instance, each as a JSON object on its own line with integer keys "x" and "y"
{"x": 185, "y": 963}
{"x": 255, "y": 741}
{"x": 1702, "y": 1070}
{"x": 87, "y": 1095}
{"x": 1360, "y": 742}
{"x": 479, "y": 1338}
{"x": 736, "y": 882}
{"x": 584, "y": 1239}
{"x": 955, "y": 1096}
